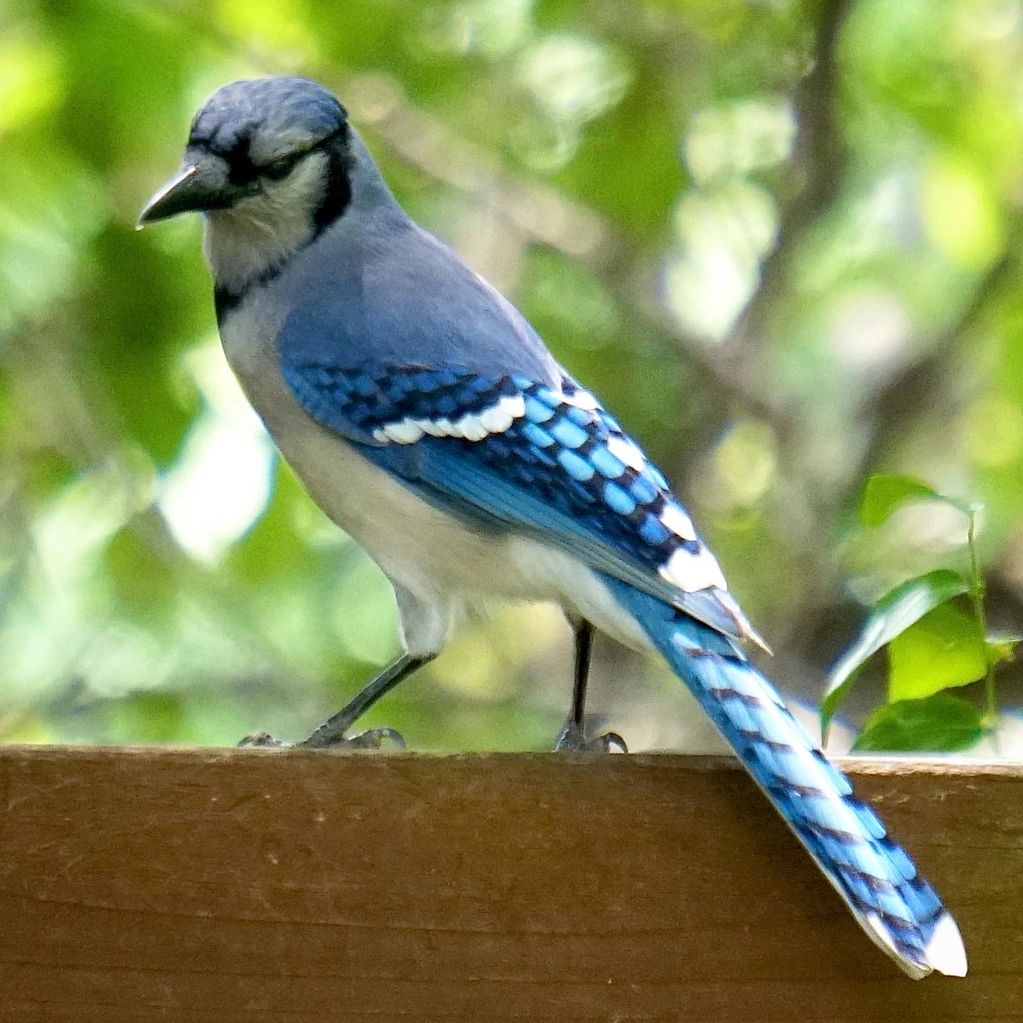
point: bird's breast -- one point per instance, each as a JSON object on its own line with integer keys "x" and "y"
{"x": 423, "y": 549}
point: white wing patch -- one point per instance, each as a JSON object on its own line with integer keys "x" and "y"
{"x": 693, "y": 571}
{"x": 625, "y": 451}
{"x": 678, "y": 522}
{"x": 472, "y": 426}
{"x": 581, "y": 399}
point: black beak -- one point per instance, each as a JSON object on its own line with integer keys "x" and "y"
{"x": 201, "y": 184}
{"x": 182, "y": 194}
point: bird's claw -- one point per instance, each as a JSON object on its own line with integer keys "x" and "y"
{"x": 572, "y": 738}
{"x": 372, "y": 738}
{"x": 262, "y": 740}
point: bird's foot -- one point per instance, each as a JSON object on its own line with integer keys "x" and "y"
{"x": 262, "y": 740}
{"x": 372, "y": 738}
{"x": 572, "y": 738}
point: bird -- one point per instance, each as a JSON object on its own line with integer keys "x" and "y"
{"x": 428, "y": 419}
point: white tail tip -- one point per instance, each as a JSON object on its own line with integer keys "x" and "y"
{"x": 945, "y": 950}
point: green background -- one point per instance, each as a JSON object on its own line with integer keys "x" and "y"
{"x": 780, "y": 240}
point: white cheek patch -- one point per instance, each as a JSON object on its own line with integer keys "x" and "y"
{"x": 678, "y": 522}
{"x": 471, "y": 426}
{"x": 625, "y": 451}
{"x": 693, "y": 571}
{"x": 263, "y": 232}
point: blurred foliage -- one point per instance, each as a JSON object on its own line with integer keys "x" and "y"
{"x": 933, "y": 644}
{"x": 781, "y": 240}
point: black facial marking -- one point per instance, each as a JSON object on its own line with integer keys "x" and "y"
{"x": 338, "y": 193}
{"x": 240, "y": 168}
{"x": 224, "y": 301}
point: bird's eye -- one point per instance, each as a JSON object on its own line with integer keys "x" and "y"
{"x": 280, "y": 167}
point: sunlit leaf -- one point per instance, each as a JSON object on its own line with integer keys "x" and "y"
{"x": 895, "y": 612}
{"x": 938, "y": 724}
{"x": 30, "y": 80}
{"x": 884, "y": 495}
{"x": 944, "y": 648}
{"x": 959, "y": 210}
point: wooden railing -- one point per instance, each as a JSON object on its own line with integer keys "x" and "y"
{"x": 193, "y": 885}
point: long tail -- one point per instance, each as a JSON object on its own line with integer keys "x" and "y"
{"x": 899, "y": 911}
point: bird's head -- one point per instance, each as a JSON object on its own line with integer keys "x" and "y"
{"x": 267, "y": 160}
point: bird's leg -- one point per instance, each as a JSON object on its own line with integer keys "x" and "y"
{"x": 573, "y": 735}
{"x": 332, "y": 731}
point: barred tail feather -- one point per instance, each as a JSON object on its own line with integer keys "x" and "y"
{"x": 898, "y": 910}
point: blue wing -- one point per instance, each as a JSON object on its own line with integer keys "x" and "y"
{"x": 505, "y": 452}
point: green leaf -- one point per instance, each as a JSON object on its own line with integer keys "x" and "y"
{"x": 944, "y": 648}
{"x": 938, "y": 724}
{"x": 884, "y": 495}
{"x": 895, "y": 612}
{"x": 1002, "y": 647}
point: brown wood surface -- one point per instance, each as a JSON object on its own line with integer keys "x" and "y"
{"x": 145, "y": 884}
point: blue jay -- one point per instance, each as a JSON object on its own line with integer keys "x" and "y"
{"x": 428, "y": 419}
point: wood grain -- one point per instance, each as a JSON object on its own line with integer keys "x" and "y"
{"x": 147, "y": 884}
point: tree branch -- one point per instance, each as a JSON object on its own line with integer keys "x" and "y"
{"x": 818, "y": 161}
